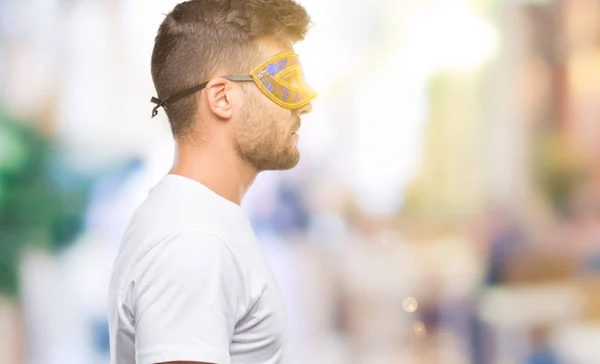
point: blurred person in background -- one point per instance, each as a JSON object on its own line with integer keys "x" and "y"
{"x": 190, "y": 282}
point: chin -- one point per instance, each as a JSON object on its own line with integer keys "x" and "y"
{"x": 289, "y": 161}
{"x": 291, "y": 165}
{"x": 293, "y": 159}
{"x": 284, "y": 166}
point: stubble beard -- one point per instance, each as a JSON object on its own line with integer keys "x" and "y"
{"x": 261, "y": 144}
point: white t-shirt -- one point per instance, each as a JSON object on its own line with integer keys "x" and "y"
{"x": 190, "y": 283}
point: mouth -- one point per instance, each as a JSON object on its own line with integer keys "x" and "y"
{"x": 296, "y": 128}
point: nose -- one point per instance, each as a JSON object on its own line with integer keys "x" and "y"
{"x": 303, "y": 109}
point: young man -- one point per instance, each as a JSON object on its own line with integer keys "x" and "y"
{"x": 190, "y": 284}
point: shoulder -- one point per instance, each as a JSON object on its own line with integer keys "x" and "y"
{"x": 187, "y": 249}
{"x": 190, "y": 266}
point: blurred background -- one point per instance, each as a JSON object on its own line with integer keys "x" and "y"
{"x": 446, "y": 208}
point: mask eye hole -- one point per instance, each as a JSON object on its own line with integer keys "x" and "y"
{"x": 292, "y": 79}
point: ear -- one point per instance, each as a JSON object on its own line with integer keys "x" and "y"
{"x": 219, "y": 94}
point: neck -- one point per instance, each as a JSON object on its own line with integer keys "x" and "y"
{"x": 219, "y": 169}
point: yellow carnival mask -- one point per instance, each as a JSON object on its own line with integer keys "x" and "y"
{"x": 280, "y": 78}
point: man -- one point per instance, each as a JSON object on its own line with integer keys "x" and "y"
{"x": 190, "y": 284}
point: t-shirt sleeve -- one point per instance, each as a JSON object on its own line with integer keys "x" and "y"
{"x": 186, "y": 295}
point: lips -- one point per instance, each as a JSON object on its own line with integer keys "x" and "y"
{"x": 296, "y": 127}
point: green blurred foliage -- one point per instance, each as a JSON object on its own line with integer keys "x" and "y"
{"x": 37, "y": 209}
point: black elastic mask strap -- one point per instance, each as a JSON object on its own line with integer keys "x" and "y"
{"x": 185, "y": 93}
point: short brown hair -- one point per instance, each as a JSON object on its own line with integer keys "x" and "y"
{"x": 199, "y": 36}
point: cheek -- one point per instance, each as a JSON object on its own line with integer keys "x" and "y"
{"x": 270, "y": 123}
{"x": 275, "y": 120}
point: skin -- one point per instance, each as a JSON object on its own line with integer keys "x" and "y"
{"x": 239, "y": 132}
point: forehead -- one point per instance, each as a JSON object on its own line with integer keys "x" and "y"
{"x": 268, "y": 47}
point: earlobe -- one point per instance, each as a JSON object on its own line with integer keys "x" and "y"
{"x": 219, "y": 97}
